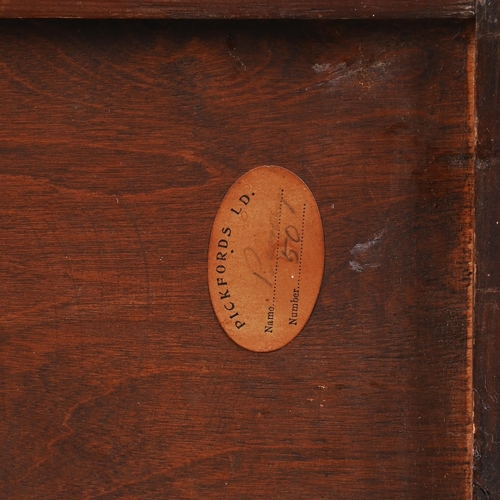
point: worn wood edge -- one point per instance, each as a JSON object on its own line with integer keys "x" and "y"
{"x": 471, "y": 82}
{"x": 240, "y": 9}
{"x": 486, "y": 350}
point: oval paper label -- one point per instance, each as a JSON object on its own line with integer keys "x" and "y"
{"x": 266, "y": 258}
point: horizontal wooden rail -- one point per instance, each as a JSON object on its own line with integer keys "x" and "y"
{"x": 234, "y": 9}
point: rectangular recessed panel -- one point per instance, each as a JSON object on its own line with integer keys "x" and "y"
{"x": 118, "y": 141}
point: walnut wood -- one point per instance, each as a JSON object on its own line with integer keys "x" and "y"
{"x": 487, "y": 302}
{"x": 118, "y": 141}
{"x": 248, "y": 9}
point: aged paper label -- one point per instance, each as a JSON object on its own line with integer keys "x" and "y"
{"x": 266, "y": 258}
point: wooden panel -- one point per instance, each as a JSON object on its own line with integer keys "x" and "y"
{"x": 118, "y": 141}
{"x": 488, "y": 145}
{"x": 487, "y": 319}
{"x": 276, "y": 9}
{"x": 486, "y": 392}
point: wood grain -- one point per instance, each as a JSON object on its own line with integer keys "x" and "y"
{"x": 244, "y": 9}
{"x": 487, "y": 302}
{"x": 118, "y": 141}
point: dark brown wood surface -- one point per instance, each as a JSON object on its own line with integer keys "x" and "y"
{"x": 249, "y": 9}
{"x": 487, "y": 301}
{"x": 118, "y": 141}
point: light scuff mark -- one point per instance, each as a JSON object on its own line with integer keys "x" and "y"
{"x": 367, "y": 255}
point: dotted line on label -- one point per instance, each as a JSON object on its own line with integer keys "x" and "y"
{"x": 301, "y": 245}
{"x": 277, "y": 249}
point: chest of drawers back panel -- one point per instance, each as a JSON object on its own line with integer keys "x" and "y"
{"x": 118, "y": 141}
